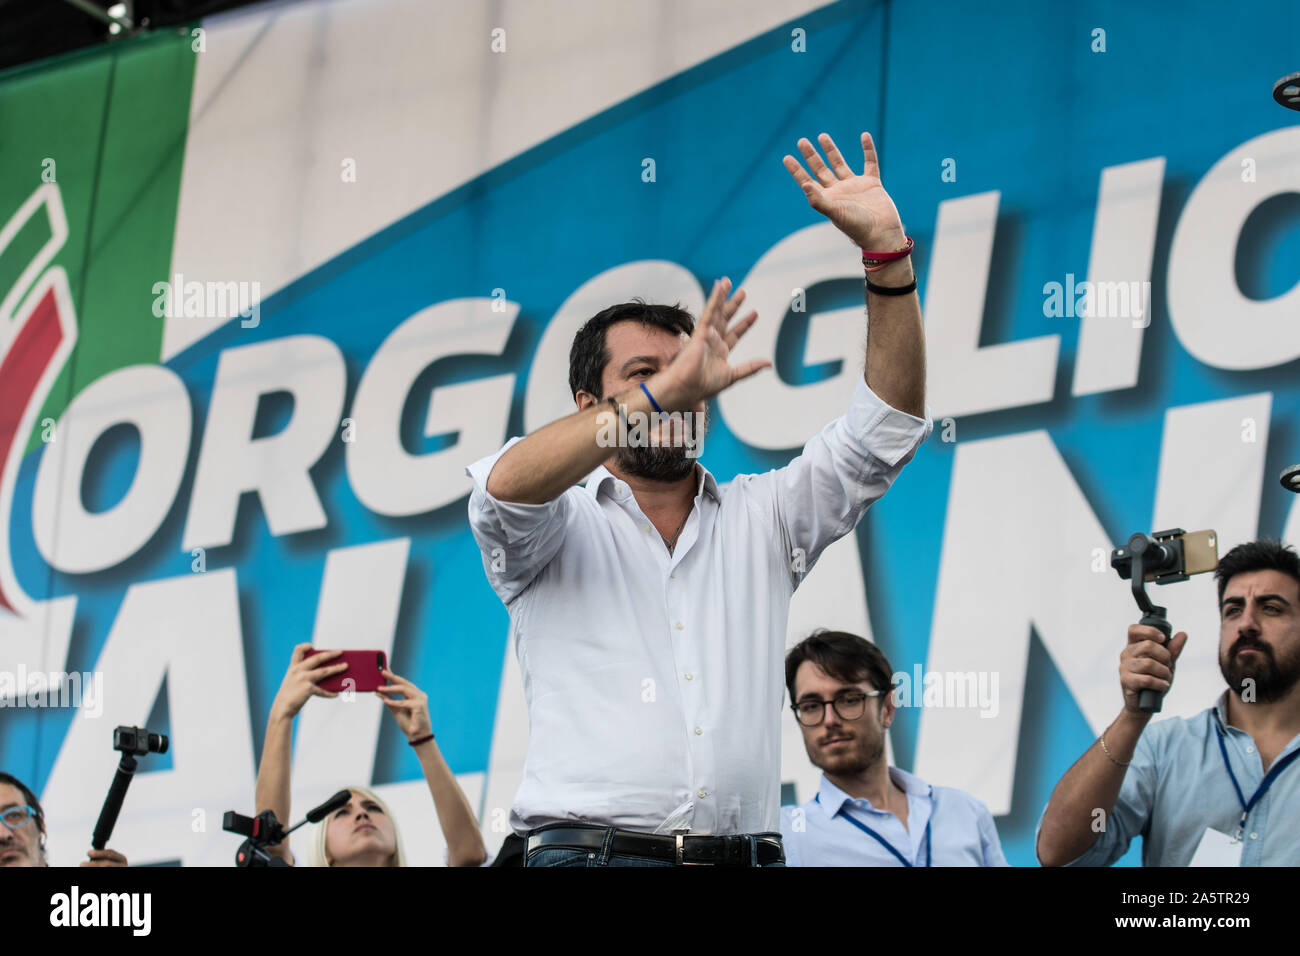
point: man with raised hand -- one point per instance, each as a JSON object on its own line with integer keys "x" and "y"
{"x": 649, "y": 608}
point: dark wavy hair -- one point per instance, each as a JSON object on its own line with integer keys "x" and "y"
{"x": 844, "y": 656}
{"x": 589, "y": 356}
{"x": 1267, "y": 554}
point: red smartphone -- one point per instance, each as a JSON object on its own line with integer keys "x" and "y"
{"x": 364, "y": 671}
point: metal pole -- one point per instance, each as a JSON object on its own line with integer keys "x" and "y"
{"x": 100, "y": 14}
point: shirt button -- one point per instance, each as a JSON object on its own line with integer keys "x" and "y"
{"x": 680, "y": 625}
{"x": 701, "y": 794}
{"x": 1254, "y": 836}
{"x": 647, "y": 529}
{"x": 672, "y": 574}
{"x": 1250, "y": 750}
{"x": 618, "y": 488}
{"x": 690, "y": 677}
{"x": 699, "y": 730}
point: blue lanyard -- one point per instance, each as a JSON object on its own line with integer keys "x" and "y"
{"x": 1267, "y": 782}
{"x": 881, "y": 840}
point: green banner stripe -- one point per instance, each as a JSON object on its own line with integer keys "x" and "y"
{"x": 109, "y": 129}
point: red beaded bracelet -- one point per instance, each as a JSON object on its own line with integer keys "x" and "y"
{"x": 881, "y": 259}
{"x": 416, "y": 743}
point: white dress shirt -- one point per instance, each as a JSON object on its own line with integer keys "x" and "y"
{"x": 654, "y": 681}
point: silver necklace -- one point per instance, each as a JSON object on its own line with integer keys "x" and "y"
{"x": 673, "y": 543}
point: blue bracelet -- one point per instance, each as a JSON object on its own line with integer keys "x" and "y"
{"x": 652, "y": 399}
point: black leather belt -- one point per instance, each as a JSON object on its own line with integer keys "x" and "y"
{"x": 684, "y": 849}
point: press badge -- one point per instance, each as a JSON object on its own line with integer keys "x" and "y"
{"x": 1217, "y": 849}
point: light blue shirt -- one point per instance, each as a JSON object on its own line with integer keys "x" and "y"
{"x": 1177, "y": 786}
{"x": 961, "y": 828}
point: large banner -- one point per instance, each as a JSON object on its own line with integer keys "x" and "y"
{"x": 269, "y": 284}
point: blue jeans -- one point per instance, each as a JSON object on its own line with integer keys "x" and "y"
{"x": 567, "y": 856}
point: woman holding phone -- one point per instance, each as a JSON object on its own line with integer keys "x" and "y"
{"x": 363, "y": 833}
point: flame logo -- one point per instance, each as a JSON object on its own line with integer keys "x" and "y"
{"x": 38, "y": 331}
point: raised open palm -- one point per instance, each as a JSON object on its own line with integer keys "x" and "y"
{"x": 702, "y": 369}
{"x": 857, "y": 204}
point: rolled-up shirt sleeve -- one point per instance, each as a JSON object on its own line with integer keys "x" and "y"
{"x": 820, "y": 496}
{"x": 516, "y": 540}
{"x": 1131, "y": 814}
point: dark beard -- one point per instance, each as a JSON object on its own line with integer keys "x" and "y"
{"x": 663, "y": 462}
{"x": 1273, "y": 680}
{"x": 864, "y": 756}
{"x": 654, "y": 463}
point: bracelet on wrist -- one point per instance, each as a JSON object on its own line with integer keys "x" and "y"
{"x": 420, "y": 740}
{"x": 622, "y": 415}
{"x": 891, "y": 289}
{"x": 652, "y": 399}
{"x": 1106, "y": 751}
{"x": 870, "y": 258}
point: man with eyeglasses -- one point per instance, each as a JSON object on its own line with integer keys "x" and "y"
{"x": 22, "y": 829}
{"x": 867, "y": 813}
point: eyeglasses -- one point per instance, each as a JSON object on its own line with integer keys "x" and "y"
{"x": 16, "y": 817}
{"x": 811, "y": 712}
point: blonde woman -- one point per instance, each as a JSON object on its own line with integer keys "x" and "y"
{"x": 363, "y": 833}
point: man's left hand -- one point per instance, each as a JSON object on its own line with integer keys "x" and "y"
{"x": 857, "y": 205}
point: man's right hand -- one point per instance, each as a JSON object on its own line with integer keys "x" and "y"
{"x": 1147, "y": 664}
{"x": 1094, "y": 782}
{"x": 700, "y": 369}
{"x": 546, "y": 463}
{"x": 108, "y": 857}
{"x": 302, "y": 678}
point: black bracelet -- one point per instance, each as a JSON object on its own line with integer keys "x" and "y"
{"x": 622, "y": 416}
{"x": 891, "y": 290}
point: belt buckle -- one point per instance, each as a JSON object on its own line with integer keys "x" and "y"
{"x": 679, "y": 839}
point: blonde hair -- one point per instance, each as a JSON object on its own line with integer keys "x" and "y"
{"x": 316, "y": 855}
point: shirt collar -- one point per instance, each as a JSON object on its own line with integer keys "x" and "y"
{"x": 1220, "y": 716}
{"x": 913, "y": 786}
{"x": 602, "y": 478}
{"x": 832, "y": 799}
